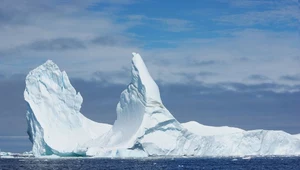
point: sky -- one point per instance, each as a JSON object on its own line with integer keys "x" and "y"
{"x": 218, "y": 62}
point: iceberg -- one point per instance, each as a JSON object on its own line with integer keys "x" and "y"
{"x": 5, "y": 153}
{"x": 144, "y": 126}
{"x": 15, "y": 155}
{"x": 55, "y": 124}
{"x": 142, "y": 119}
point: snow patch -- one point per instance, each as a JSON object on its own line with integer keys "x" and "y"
{"x": 203, "y": 130}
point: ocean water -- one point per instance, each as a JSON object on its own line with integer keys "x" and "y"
{"x": 270, "y": 163}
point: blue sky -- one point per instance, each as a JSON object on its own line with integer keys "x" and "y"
{"x": 230, "y": 60}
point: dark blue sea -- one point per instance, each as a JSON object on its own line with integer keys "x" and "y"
{"x": 271, "y": 163}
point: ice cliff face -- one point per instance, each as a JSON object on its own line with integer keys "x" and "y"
{"x": 55, "y": 124}
{"x": 144, "y": 126}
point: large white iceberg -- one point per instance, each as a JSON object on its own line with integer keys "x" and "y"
{"x": 144, "y": 126}
{"x": 55, "y": 124}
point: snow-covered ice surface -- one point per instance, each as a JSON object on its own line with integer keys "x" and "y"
{"x": 297, "y": 136}
{"x": 144, "y": 126}
{"x": 203, "y": 130}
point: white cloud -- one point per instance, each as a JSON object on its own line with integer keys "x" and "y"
{"x": 275, "y": 13}
{"x": 168, "y": 24}
{"x": 19, "y": 41}
{"x": 232, "y": 57}
{"x": 240, "y": 55}
{"x": 257, "y": 3}
{"x": 289, "y": 16}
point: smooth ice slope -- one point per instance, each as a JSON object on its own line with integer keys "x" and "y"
{"x": 55, "y": 124}
{"x": 297, "y": 136}
{"x": 204, "y": 130}
{"x": 144, "y": 126}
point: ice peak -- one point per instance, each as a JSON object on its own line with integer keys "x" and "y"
{"x": 50, "y": 62}
{"x": 50, "y": 65}
{"x": 142, "y": 79}
{"x": 50, "y": 76}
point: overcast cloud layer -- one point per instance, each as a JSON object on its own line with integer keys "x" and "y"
{"x": 231, "y": 60}
{"x": 242, "y": 43}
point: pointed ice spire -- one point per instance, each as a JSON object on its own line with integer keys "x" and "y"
{"x": 142, "y": 79}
